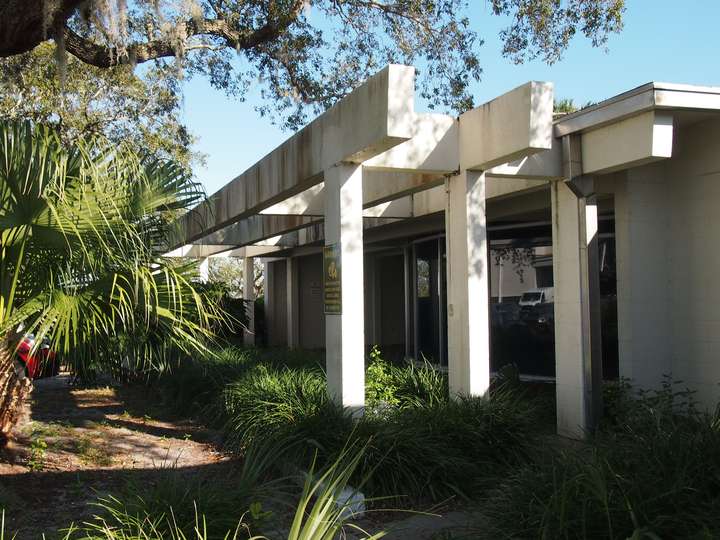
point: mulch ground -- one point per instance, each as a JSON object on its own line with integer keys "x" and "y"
{"x": 73, "y": 445}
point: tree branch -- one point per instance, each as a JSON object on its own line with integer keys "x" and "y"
{"x": 102, "y": 56}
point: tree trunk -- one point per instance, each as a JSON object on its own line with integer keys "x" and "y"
{"x": 14, "y": 388}
{"x": 24, "y": 24}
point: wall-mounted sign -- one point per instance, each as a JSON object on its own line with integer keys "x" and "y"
{"x": 331, "y": 279}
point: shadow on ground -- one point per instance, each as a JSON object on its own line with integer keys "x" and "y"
{"x": 75, "y": 444}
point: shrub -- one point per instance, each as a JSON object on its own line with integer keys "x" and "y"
{"x": 420, "y": 445}
{"x": 388, "y": 386}
{"x": 651, "y": 472}
{"x": 446, "y": 448}
{"x": 271, "y": 403}
{"x": 178, "y": 508}
{"x": 195, "y": 385}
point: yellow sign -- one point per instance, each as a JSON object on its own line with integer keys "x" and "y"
{"x": 331, "y": 279}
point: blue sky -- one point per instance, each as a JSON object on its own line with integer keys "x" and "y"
{"x": 663, "y": 40}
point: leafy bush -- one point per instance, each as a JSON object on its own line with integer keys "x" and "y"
{"x": 421, "y": 449}
{"x": 652, "y": 471}
{"x": 420, "y": 444}
{"x": 270, "y": 402}
{"x": 389, "y": 386}
{"x": 446, "y": 448}
{"x": 179, "y": 508}
{"x": 195, "y": 385}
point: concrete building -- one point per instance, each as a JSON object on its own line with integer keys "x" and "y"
{"x": 379, "y": 224}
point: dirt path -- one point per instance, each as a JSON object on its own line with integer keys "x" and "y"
{"x": 74, "y": 444}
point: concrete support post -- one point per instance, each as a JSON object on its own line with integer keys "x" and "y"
{"x": 204, "y": 270}
{"x": 268, "y": 299}
{"x": 578, "y": 363}
{"x": 292, "y": 303}
{"x": 467, "y": 285}
{"x": 345, "y": 331}
{"x": 249, "y": 297}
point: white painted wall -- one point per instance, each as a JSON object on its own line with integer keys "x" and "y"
{"x": 667, "y": 234}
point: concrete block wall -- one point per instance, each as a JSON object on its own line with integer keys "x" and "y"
{"x": 694, "y": 264}
{"x": 668, "y": 264}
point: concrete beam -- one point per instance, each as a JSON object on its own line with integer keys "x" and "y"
{"x": 545, "y": 165}
{"x": 197, "y": 251}
{"x": 432, "y": 149}
{"x": 249, "y": 251}
{"x": 651, "y": 96}
{"x": 508, "y": 128}
{"x": 373, "y": 118}
{"x": 379, "y": 186}
{"x": 634, "y": 141}
{"x": 399, "y": 208}
{"x": 257, "y": 228}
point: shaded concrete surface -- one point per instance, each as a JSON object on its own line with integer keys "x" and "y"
{"x": 458, "y": 524}
{"x": 455, "y": 525}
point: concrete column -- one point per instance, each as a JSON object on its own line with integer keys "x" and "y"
{"x": 269, "y": 308}
{"x": 467, "y": 285}
{"x": 249, "y": 297}
{"x": 345, "y": 332}
{"x": 578, "y": 362}
{"x": 292, "y": 303}
{"x": 204, "y": 270}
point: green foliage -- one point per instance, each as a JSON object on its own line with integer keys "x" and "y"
{"x": 324, "y": 510}
{"x": 81, "y": 230}
{"x": 229, "y": 271}
{"x": 543, "y": 29}
{"x": 194, "y": 385}
{"x": 117, "y": 522}
{"x": 651, "y": 472}
{"x": 564, "y": 106}
{"x": 420, "y": 445}
{"x": 117, "y": 103}
{"x": 284, "y": 403}
{"x": 389, "y": 386}
{"x": 223, "y": 498}
{"x": 380, "y": 386}
{"x": 445, "y": 449}
{"x": 303, "y": 55}
{"x": 38, "y": 446}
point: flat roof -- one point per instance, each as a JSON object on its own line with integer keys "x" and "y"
{"x": 653, "y": 95}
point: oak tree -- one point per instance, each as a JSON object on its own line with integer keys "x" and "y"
{"x": 304, "y": 54}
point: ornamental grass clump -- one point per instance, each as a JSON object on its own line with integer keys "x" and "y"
{"x": 194, "y": 385}
{"x": 652, "y": 471}
{"x": 446, "y": 449}
{"x": 271, "y": 403}
{"x": 179, "y": 507}
{"x": 389, "y": 386}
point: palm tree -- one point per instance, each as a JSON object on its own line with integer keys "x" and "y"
{"x": 82, "y": 229}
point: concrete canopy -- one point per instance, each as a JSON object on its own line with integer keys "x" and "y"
{"x": 376, "y": 116}
{"x": 403, "y": 176}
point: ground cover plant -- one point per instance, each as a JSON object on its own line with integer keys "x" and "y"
{"x": 651, "y": 471}
{"x": 421, "y": 447}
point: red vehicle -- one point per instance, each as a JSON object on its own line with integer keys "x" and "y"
{"x": 41, "y": 363}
